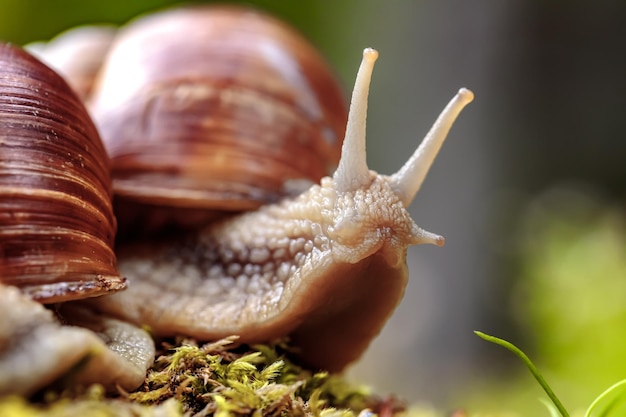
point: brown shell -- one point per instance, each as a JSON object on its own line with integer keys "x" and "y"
{"x": 216, "y": 107}
{"x": 56, "y": 221}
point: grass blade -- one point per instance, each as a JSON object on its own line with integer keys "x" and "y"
{"x": 612, "y": 389}
{"x": 531, "y": 366}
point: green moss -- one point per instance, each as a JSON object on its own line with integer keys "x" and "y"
{"x": 224, "y": 380}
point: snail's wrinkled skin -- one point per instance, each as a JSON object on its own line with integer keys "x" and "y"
{"x": 294, "y": 268}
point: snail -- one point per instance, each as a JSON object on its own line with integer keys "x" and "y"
{"x": 323, "y": 264}
{"x": 56, "y": 238}
{"x": 325, "y": 267}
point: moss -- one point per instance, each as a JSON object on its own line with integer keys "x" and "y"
{"x": 221, "y": 379}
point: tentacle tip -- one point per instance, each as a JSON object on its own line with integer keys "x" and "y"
{"x": 425, "y": 236}
{"x": 370, "y": 54}
{"x": 465, "y": 95}
{"x": 434, "y": 239}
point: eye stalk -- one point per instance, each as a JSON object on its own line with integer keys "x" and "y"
{"x": 408, "y": 180}
{"x": 353, "y": 173}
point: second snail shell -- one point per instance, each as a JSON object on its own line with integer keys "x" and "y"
{"x": 218, "y": 108}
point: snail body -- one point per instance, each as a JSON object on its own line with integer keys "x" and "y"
{"x": 326, "y": 267}
{"x": 69, "y": 346}
{"x": 219, "y": 108}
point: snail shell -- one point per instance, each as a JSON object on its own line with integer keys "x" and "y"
{"x": 214, "y": 107}
{"x": 56, "y": 236}
{"x": 56, "y": 219}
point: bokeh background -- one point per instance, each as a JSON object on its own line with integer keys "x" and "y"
{"x": 528, "y": 191}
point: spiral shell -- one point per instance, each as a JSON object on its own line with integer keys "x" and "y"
{"x": 225, "y": 116}
{"x": 56, "y": 221}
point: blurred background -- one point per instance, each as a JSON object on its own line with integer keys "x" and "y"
{"x": 528, "y": 190}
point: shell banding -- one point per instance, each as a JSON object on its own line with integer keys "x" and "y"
{"x": 214, "y": 108}
{"x": 56, "y": 220}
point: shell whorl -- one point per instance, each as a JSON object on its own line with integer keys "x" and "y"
{"x": 57, "y": 224}
{"x": 214, "y": 108}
